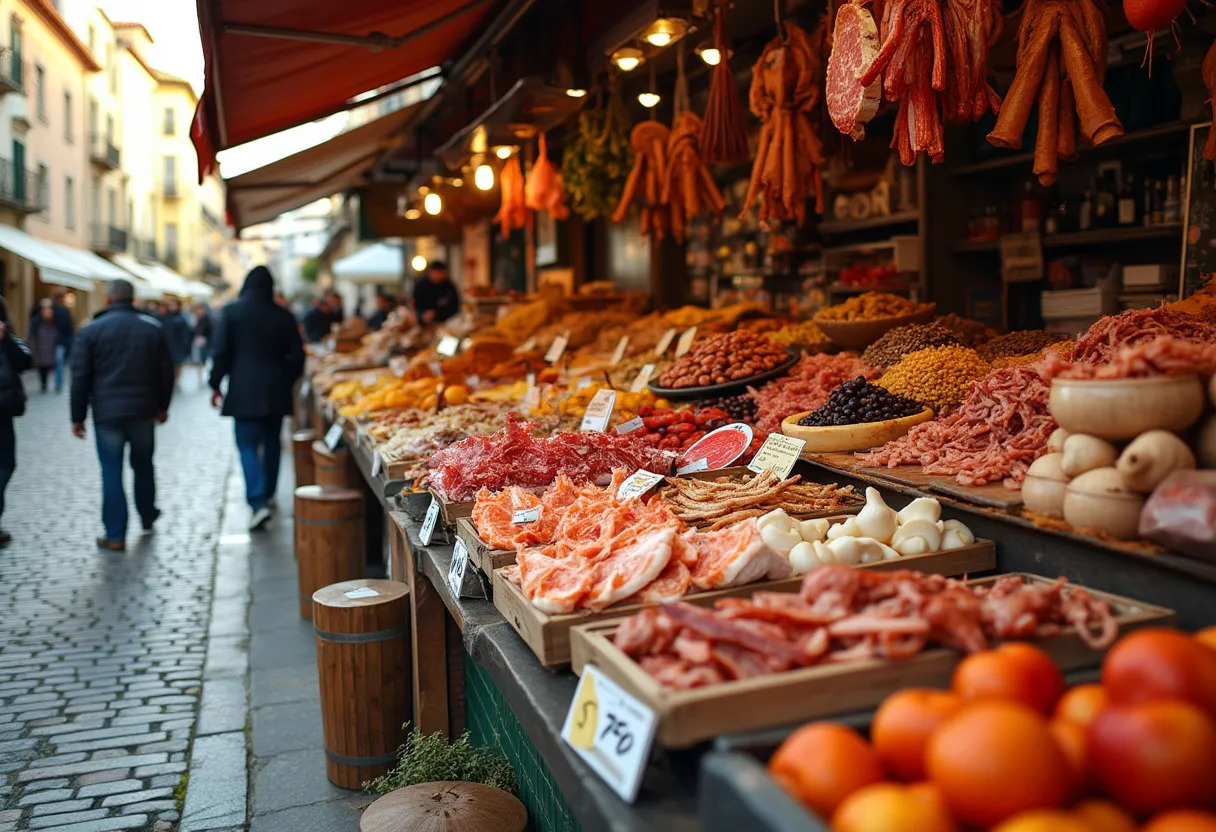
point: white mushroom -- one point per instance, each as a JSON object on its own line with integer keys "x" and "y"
{"x": 871, "y": 550}
{"x": 849, "y": 528}
{"x": 780, "y": 541}
{"x": 876, "y": 519}
{"x": 814, "y": 529}
{"x": 956, "y": 535}
{"x": 846, "y": 550}
{"x": 922, "y": 508}
{"x": 917, "y": 537}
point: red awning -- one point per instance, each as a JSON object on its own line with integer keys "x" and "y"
{"x": 274, "y": 64}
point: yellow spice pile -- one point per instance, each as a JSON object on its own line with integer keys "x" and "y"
{"x": 937, "y": 377}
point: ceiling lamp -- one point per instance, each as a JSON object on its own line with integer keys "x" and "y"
{"x": 664, "y": 31}
{"x": 432, "y": 203}
{"x": 575, "y": 93}
{"x": 649, "y": 100}
{"x": 711, "y": 54}
{"x": 457, "y": 182}
{"x": 627, "y": 58}
{"x": 418, "y": 263}
{"x": 503, "y": 151}
{"x": 413, "y": 213}
{"x": 483, "y": 177}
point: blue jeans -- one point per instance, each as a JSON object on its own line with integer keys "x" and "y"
{"x": 112, "y": 441}
{"x": 257, "y": 440}
{"x": 60, "y": 356}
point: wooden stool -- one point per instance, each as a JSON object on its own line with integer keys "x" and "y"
{"x": 301, "y": 454}
{"x": 363, "y": 664}
{"x": 447, "y": 804}
{"x": 334, "y": 468}
{"x": 329, "y": 539}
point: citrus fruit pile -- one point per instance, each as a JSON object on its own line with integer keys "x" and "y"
{"x": 1009, "y": 749}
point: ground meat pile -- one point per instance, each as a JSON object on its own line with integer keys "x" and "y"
{"x": 857, "y": 402}
{"x": 890, "y": 348}
{"x": 1022, "y": 342}
{"x": 1002, "y": 426}
{"x": 1162, "y": 356}
{"x": 807, "y": 387}
{"x": 514, "y": 456}
{"x": 1114, "y": 332}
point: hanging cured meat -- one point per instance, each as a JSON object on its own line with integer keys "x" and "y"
{"x": 1061, "y": 59}
{"x": 972, "y": 26}
{"x": 1209, "y": 81}
{"x": 543, "y": 190}
{"x": 513, "y": 212}
{"x": 854, "y": 47}
{"x": 784, "y": 91}
{"x": 649, "y": 140}
{"x": 687, "y": 184}
{"x": 724, "y": 133}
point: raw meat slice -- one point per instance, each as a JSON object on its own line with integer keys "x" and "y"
{"x": 493, "y": 513}
{"x": 734, "y": 556}
{"x": 629, "y": 567}
{"x": 554, "y": 586}
{"x": 854, "y": 48}
{"x": 718, "y": 448}
{"x": 671, "y": 584}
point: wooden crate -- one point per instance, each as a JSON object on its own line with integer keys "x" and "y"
{"x": 690, "y": 716}
{"x": 739, "y": 471}
{"x": 549, "y": 635}
{"x": 450, "y": 511}
{"x": 481, "y": 554}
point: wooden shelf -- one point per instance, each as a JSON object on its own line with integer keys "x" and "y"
{"x": 1074, "y": 239}
{"x": 842, "y": 289}
{"x": 846, "y": 226}
{"x": 1166, "y": 130}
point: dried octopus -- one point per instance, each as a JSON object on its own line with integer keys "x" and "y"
{"x": 687, "y": 184}
{"x": 649, "y": 140}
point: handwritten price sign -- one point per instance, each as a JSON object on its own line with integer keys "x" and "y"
{"x": 611, "y": 731}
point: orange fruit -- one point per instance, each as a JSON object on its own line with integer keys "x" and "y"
{"x": 1071, "y": 738}
{"x": 1016, "y": 671}
{"x": 1181, "y": 820}
{"x": 1160, "y": 663}
{"x": 1081, "y": 704}
{"x": 1154, "y": 756}
{"x": 891, "y": 807}
{"x": 902, "y": 726}
{"x": 1207, "y": 636}
{"x": 1044, "y": 820}
{"x": 1104, "y": 816}
{"x": 994, "y": 759}
{"x": 823, "y": 763}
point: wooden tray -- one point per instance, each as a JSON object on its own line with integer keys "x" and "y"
{"x": 688, "y": 717}
{"x": 549, "y": 635}
{"x": 995, "y": 496}
{"x": 862, "y": 436}
{"x": 451, "y": 511}
{"x": 480, "y": 554}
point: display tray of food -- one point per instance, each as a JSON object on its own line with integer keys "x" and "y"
{"x": 861, "y": 436}
{"x": 723, "y": 364}
{"x": 993, "y": 495}
{"x": 673, "y": 658}
{"x": 860, "y": 321}
{"x": 481, "y": 554}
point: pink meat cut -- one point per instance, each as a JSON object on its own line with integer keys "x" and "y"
{"x": 719, "y": 448}
{"x": 854, "y": 47}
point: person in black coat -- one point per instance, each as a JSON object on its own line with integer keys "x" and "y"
{"x": 121, "y": 367}
{"x": 179, "y": 335}
{"x": 257, "y": 347}
{"x": 15, "y": 358}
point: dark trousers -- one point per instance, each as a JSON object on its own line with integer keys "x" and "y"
{"x": 44, "y": 373}
{"x": 112, "y": 442}
{"x": 257, "y": 440}
{"x": 8, "y": 456}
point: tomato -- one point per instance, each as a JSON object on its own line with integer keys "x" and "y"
{"x": 823, "y": 763}
{"x": 1016, "y": 671}
{"x": 902, "y": 726}
{"x": 1182, "y": 820}
{"x": 1081, "y": 704}
{"x": 1154, "y": 755}
{"x": 889, "y": 807}
{"x": 1160, "y": 663}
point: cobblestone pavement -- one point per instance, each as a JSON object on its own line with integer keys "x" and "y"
{"x": 102, "y": 654}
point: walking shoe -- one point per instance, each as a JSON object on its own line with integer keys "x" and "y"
{"x": 107, "y": 545}
{"x": 5, "y": 538}
{"x": 259, "y": 520}
{"x": 272, "y": 504}
{"x": 149, "y": 521}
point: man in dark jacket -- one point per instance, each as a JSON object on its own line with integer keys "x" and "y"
{"x": 15, "y": 359}
{"x": 384, "y": 305}
{"x": 436, "y": 299}
{"x": 67, "y": 332}
{"x": 319, "y": 320}
{"x": 122, "y": 368}
{"x": 178, "y": 334}
{"x": 257, "y": 347}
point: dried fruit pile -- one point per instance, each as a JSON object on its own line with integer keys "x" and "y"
{"x": 721, "y": 359}
{"x": 858, "y": 402}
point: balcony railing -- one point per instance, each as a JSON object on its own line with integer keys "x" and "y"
{"x": 12, "y": 71}
{"x": 21, "y": 189}
{"x": 170, "y": 189}
{"x": 108, "y": 238}
{"x": 145, "y": 249}
{"x": 103, "y": 152}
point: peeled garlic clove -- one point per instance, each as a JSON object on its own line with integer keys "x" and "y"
{"x": 876, "y": 520}
{"x": 777, "y": 518}
{"x": 780, "y": 541}
{"x": 803, "y": 558}
{"x": 871, "y": 550}
{"x": 849, "y": 528}
{"x": 956, "y": 535}
{"x": 917, "y": 537}
{"x": 888, "y": 553}
{"x": 922, "y": 508}
{"x": 847, "y": 550}
{"x": 813, "y": 529}
{"x": 823, "y": 554}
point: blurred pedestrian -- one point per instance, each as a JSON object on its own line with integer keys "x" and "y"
{"x": 121, "y": 367}
{"x": 320, "y": 319}
{"x": 15, "y": 359}
{"x": 384, "y": 305}
{"x": 67, "y": 332}
{"x": 44, "y": 343}
{"x": 179, "y": 335}
{"x": 204, "y": 326}
{"x": 436, "y": 299}
{"x": 257, "y": 347}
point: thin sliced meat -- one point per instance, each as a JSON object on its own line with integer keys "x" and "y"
{"x": 734, "y": 556}
{"x": 630, "y": 568}
{"x": 671, "y": 585}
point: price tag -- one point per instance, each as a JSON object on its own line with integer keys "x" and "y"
{"x": 1021, "y": 258}
{"x": 377, "y": 464}
{"x": 611, "y": 731}
{"x": 532, "y": 397}
{"x": 556, "y": 349}
{"x": 362, "y": 592}
{"x": 460, "y": 561}
{"x": 665, "y": 342}
{"x": 306, "y": 388}
{"x": 779, "y": 452}
{"x": 525, "y": 515}
{"x": 428, "y": 522}
{"x": 466, "y": 344}
{"x": 638, "y": 483}
{"x": 583, "y": 383}
{"x": 526, "y": 346}
{"x": 599, "y": 411}
{"x": 618, "y": 354}
{"x": 333, "y": 436}
{"x": 693, "y": 467}
{"x": 642, "y": 379}
{"x": 370, "y": 380}
{"x": 634, "y": 424}
{"x": 398, "y": 365}
{"x": 449, "y": 345}
{"x": 685, "y": 342}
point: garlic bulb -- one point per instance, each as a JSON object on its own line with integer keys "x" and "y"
{"x": 803, "y": 558}
{"x": 871, "y": 550}
{"x": 917, "y": 537}
{"x": 922, "y": 508}
{"x": 956, "y": 535}
{"x": 849, "y": 528}
{"x": 846, "y": 550}
{"x": 813, "y": 529}
{"x": 780, "y": 541}
{"x": 877, "y": 520}
{"x": 777, "y": 518}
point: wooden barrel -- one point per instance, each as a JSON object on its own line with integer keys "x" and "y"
{"x": 301, "y": 454}
{"x": 363, "y": 664}
{"x": 334, "y": 468}
{"x": 329, "y": 539}
{"x": 445, "y": 804}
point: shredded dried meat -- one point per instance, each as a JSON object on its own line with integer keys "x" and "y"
{"x": 1164, "y": 355}
{"x": 1114, "y": 332}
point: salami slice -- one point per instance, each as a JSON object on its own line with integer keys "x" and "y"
{"x": 854, "y": 48}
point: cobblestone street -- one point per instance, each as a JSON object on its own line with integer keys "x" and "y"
{"x": 102, "y": 654}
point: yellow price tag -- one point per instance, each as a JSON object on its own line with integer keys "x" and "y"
{"x": 585, "y": 713}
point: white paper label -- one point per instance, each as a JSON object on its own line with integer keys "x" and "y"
{"x": 638, "y": 483}
{"x": 779, "y": 452}
{"x": 525, "y": 515}
{"x": 599, "y": 411}
{"x": 618, "y": 354}
{"x": 665, "y": 341}
{"x": 526, "y": 346}
{"x": 685, "y": 343}
{"x": 398, "y": 364}
{"x": 611, "y": 731}
{"x": 556, "y": 349}
{"x": 583, "y": 383}
{"x": 377, "y": 464}
{"x": 460, "y": 561}
{"x": 370, "y": 380}
{"x": 333, "y": 436}
{"x": 449, "y": 345}
{"x": 693, "y": 467}
{"x": 362, "y": 592}
{"x": 532, "y": 396}
{"x": 428, "y": 522}
{"x": 642, "y": 379}
{"x": 634, "y": 424}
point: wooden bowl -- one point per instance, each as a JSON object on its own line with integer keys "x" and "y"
{"x": 851, "y": 437}
{"x": 1119, "y": 409}
{"x": 857, "y": 335}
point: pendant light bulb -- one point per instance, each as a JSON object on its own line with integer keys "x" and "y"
{"x": 627, "y": 58}
{"x": 432, "y": 203}
{"x": 418, "y": 263}
{"x": 576, "y": 93}
{"x": 649, "y": 100}
{"x": 712, "y": 55}
{"x": 413, "y": 213}
{"x": 483, "y": 177}
{"x": 503, "y": 151}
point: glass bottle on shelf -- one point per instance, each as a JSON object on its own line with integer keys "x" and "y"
{"x": 1127, "y": 203}
{"x": 1104, "y": 201}
{"x": 1172, "y": 207}
{"x": 1146, "y": 199}
{"x": 1085, "y": 212}
{"x": 1158, "y": 202}
{"x": 1031, "y": 210}
{"x": 1051, "y": 219}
